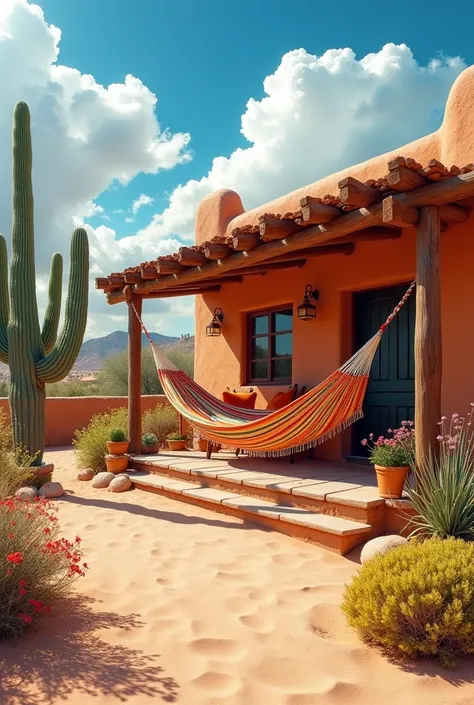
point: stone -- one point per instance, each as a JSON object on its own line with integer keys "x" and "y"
{"x": 102, "y": 479}
{"x": 26, "y": 493}
{"x": 120, "y": 483}
{"x": 380, "y": 545}
{"x": 85, "y": 474}
{"x": 50, "y": 490}
{"x": 43, "y": 470}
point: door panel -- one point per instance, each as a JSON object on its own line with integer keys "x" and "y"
{"x": 390, "y": 397}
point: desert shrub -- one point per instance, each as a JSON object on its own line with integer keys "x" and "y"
{"x": 117, "y": 435}
{"x": 72, "y": 388}
{"x": 6, "y": 437}
{"x": 161, "y": 421}
{"x": 4, "y": 388}
{"x": 15, "y": 472}
{"x": 90, "y": 442}
{"x": 149, "y": 439}
{"x": 417, "y": 599}
{"x": 176, "y": 437}
{"x": 443, "y": 489}
{"x": 36, "y": 567}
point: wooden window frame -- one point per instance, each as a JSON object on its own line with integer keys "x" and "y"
{"x": 269, "y": 382}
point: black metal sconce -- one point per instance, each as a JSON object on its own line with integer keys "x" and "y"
{"x": 214, "y": 327}
{"x": 307, "y": 310}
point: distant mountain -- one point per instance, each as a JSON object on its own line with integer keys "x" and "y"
{"x": 94, "y": 351}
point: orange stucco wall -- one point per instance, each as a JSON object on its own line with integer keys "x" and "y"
{"x": 320, "y": 346}
{"x": 66, "y": 414}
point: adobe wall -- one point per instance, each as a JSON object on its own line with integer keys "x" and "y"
{"x": 66, "y": 414}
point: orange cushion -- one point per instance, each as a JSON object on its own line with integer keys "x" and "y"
{"x": 244, "y": 400}
{"x": 281, "y": 399}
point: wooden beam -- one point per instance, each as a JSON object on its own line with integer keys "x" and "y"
{"x": 375, "y": 233}
{"x": 118, "y": 296}
{"x": 428, "y": 337}
{"x": 102, "y": 283}
{"x": 188, "y": 257}
{"x": 398, "y": 213}
{"x": 272, "y": 265}
{"x": 402, "y": 179}
{"x": 453, "y": 214}
{"x": 276, "y": 228}
{"x": 132, "y": 277}
{"x": 436, "y": 193}
{"x": 216, "y": 251}
{"x": 148, "y": 271}
{"x": 168, "y": 266}
{"x": 315, "y": 213}
{"x": 346, "y": 248}
{"x": 357, "y": 194}
{"x": 243, "y": 242}
{"x": 134, "y": 374}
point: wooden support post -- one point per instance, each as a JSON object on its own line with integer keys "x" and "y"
{"x": 428, "y": 338}
{"x": 134, "y": 376}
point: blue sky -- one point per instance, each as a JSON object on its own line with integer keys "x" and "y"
{"x": 259, "y": 96}
{"x": 204, "y": 60}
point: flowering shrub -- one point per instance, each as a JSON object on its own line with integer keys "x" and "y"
{"x": 443, "y": 489}
{"x": 395, "y": 451}
{"x": 36, "y": 567}
{"x": 417, "y": 599}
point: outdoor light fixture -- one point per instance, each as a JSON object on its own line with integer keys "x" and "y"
{"x": 214, "y": 327}
{"x": 307, "y": 310}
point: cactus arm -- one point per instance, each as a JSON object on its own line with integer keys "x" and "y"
{"x": 4, "y": 301}
{"x": 51, "y": 317}
{"x": 58, "y": 363}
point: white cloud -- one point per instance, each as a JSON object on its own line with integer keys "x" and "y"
{"x": 142, "y": 200}
{"x": 128, "y": 219}
{"x": 317, "y": 115}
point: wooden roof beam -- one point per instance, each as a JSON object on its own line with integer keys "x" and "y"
{"x": 244, "y": 242}
{"x": 188, "y": 257}
{"x": 216, "y": 251}
{"x": 399, "y": 214}
{"x": 437, "y": 193}
{"x": 376, "y": 232}
{"x": 402, "y": 179}
{"x": 276, "y": 228}
{"x": 168, "y": 266}
{"x": 357, "y": 194}
{"x": 316, "y": 213}
{"x": 116, "y": 297}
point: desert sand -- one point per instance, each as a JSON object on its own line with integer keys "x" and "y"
{"x": 183, "y": 605}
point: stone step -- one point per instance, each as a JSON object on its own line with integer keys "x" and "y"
{"x": 333, "y": 532}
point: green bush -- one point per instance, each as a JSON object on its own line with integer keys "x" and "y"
{"x": 90, "y": 442}
{"x": 149, "y": 439}
{"x": 37, "y": 566}
{"x": 443, "y": 489}
{"x": 117, "y": 435}
{"x": 161, "y": 421}
{"x": 176, "y": 437}
{"x": 417, "y": 599}
{"x": 72, "y": 388}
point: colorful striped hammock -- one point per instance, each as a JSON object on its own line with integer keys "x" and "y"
{"x": 307, "y": 421}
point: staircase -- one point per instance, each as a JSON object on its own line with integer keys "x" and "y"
{"x": 335, "y": 505}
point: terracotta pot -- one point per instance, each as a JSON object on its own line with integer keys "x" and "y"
{"x": 176, "y": 445}
{"x": 202, "y": 444}
{"x": 116, "y": 463}
{"x": 391, "y": 481}
{"x": 151, "y": 449}
{"x": 117, "y": 447}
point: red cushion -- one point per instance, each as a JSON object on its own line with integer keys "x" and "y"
{"x": 244, "y": 400}
{"x": 281, "y": 399}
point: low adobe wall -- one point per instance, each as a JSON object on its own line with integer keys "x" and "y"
{"x": 66, "y": 414}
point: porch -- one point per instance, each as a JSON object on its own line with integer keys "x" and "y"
{"x": 333, "y": 504}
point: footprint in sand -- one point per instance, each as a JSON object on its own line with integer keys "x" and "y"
{"x": 258, "y": 622}
{"x": 261, "y": 595}
{"x": 216, "y": 683}
{"x": 284, "y": 559}
{"x": 224, "y": 649}
{"x": 238, "y": 605}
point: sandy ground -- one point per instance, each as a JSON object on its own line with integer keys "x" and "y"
{"x": 183, "y": 605}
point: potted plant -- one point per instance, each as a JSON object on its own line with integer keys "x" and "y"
{"x": 176, "y": 441}
{"x": 202, "y": 444}
{"x": 150, "y": 443}
{"x": 116, "y": 463}
{"x": 392, "y": 458}
{"x": 118, "y": 443}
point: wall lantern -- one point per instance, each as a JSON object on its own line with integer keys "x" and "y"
{"x": 214, "y": 327}
{"x": 307, "y": 310}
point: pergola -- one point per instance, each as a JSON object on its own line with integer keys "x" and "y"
{"x": 428, "y": 198}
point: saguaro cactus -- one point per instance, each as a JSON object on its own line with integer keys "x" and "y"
{"x": 36, "y": 356}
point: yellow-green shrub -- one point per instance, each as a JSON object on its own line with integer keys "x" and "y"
{"x": 417, "y": 599}
{"x": 162, "y": 420}
{"x": 90, "y": 442}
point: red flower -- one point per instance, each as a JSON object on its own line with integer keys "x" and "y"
{"x": 25, "y": 618}
{"x": 22, "y": 583}
{"x": 78, "y": 539}
{"x": 37, "y": 604}
{"x": 11, "y": 536}
{"x": 22, "y": 592}
{"x": 9, "y": 571}
{"x": 47, "y": 530}
{"x": 15, "y": 557}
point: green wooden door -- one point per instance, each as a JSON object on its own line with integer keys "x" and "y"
{"x": 390, "y": 397}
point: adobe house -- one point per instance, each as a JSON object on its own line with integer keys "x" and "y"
{"x": 385, "y": 222}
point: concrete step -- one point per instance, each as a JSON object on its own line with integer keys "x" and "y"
{"x": 332, "y": 532}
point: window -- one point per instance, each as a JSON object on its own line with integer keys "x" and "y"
{"x": 270, "y": 346}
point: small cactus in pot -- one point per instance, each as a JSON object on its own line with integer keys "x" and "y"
{"x": 150, "y": 443}
{"x": 176, "y": 441}
{"x": 118, "y": 443}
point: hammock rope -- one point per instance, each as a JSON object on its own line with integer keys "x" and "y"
{"x": 307, "y": 421}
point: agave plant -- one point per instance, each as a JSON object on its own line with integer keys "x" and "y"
{"x": 442, "y": 492}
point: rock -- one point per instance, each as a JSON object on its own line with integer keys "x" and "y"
{"x": 102, "y": 479}
{"x": 86, "y": 474}
{"x": 380, "y": 545}
{"x": 43, "y": 470}
{"x": 120, "y": 483}
{"x": 25, "y": 493}
{"x": 51, "y": 489}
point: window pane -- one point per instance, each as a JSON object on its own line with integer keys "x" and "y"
{"x": 283, "y": 320}
{"x": 259, "y": 325}
{"x": 259, "y": 370}
{"x": 281, "y": 369}
{"x": 259, "y": 348}
{"x": 282, "y": 344}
